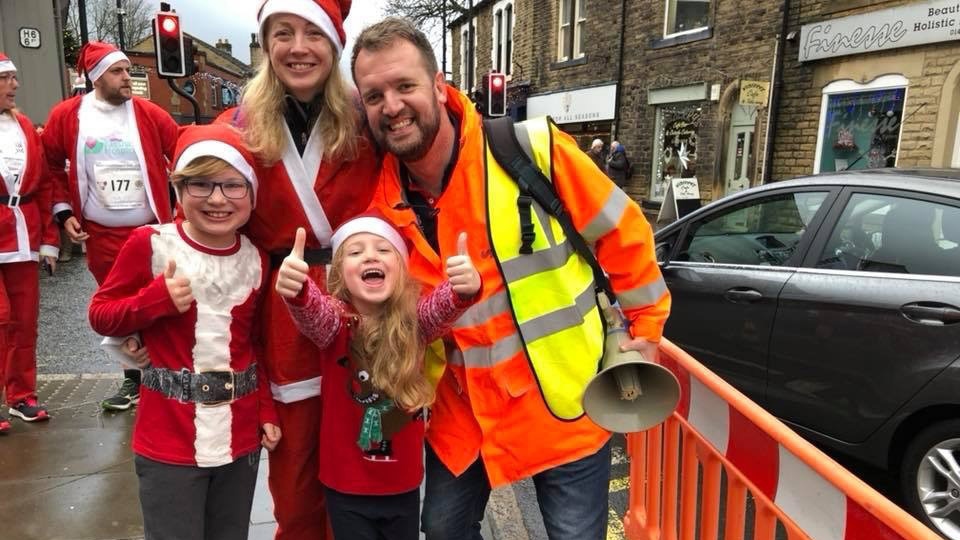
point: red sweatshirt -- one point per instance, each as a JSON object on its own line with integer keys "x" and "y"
{"x": 374, "y": 468}
{"x": 213, "y": 335}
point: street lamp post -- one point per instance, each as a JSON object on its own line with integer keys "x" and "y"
{"x": 120, "y": 14}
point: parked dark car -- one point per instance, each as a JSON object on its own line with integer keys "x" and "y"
{"x": 834, "y": 302}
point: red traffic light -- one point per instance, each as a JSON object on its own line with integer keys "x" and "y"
{"x": 496, "y": 94}
{"x": 496, "y": 81}
{"x": 168, "y": 24}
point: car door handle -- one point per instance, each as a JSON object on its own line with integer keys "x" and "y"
{"x": 743, "y": 295}
{"x": 931, "y": 313}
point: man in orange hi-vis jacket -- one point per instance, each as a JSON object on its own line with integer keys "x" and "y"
{"x": 491, "y": 423}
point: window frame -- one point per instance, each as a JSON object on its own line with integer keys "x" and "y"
{"x": 849, "y": 86}
{"x": 464, "y": 74}
{"x": 501, "y": 51}
{"x": 667, "y": 12}
{"x": 570, "y": 20}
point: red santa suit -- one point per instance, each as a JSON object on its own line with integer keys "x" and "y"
{"x": 215, "y": 334}
{"x": 27, "y": 231}
{"x": 153, "y": 136}
{"x": 318, "y": 195}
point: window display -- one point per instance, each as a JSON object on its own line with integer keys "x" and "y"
{"x": 676, "y": 147}
{"x": 861, "y": 130}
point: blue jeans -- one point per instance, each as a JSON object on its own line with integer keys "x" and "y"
{"x": 573, "y": 499}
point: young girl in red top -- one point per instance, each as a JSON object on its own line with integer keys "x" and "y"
{"x": 191, "y": 290}
{"x": 374, "y": 387}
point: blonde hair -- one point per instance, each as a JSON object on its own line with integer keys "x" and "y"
{"x": 203, "y": 166}
{"x": 262, "y": 104}
{"x": 390, "y": 340}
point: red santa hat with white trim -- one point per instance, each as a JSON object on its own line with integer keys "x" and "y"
{"x": 6, "y": 64}
{"x": 96, "y": 57}
{"x": 328, "y": 15}
{"x": 372, "y": 222}
{"x": 221, "y": 141}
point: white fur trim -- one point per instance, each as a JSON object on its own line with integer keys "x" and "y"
{"x": 302, "y": 173}
{"x": 296, "y": 391}
{"x": 373, "y": 225}
{"x": 221, "y": 150}
{"x": 104, "y": 64}
{"x": 309, "y": 10}
{"x": 7, "y": 65}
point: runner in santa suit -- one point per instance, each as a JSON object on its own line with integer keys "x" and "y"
{"x": 299, "y": 118}
{"x": 118, "y": 147}
{"x": 27, "y": 232}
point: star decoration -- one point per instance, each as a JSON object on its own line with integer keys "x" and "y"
{"x": 683, "y": 155}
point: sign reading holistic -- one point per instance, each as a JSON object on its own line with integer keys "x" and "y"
{"x": 904, "y": 26}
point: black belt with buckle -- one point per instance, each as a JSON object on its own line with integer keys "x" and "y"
{"x": 205, "y": 387}
{"x": 14, "y": 201}
{"x": 313, "y": 257}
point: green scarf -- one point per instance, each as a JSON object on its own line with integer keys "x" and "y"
{"x": 371, "y": 428}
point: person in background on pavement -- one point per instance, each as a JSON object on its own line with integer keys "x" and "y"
{"x": 596, "y": 153}
{"x": 29, "y": 235}
{"x": 490, "y": 424}
{"x": 304, "y": 125}
{"x": 375, "y": 326}
{"x": 192, "y": 289}
{"x": 618, "y": 166}
{"x": 118, "y": 147}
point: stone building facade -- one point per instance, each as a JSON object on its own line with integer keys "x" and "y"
{"x": 664, "y": 77}
{"x": 869, "y": 84}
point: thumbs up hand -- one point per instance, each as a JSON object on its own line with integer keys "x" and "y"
{"x": 178, "y": 287}
{"x": 293, "y": 271}
{"x": 463, "y": 277}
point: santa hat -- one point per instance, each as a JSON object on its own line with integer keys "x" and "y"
{"x": 221, "y": 141}
{"x": 6, "y": 64}
{"x": 372, "y": 222}
{"x": 328, "y": 15}
{"x": 96, "y": 57}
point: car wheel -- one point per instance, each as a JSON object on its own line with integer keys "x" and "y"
{"x": 930, "y": 477}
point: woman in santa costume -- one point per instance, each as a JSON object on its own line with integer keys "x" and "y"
{"x": 303, "y": 123}
{"x": 118, "y": 147}
{"x": 27, "y": 232}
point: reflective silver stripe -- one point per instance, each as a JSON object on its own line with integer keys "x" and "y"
{"x": 483, "y": 311}
{"x": 609, "y": 216}
{"x": 539, "y": 261}
{"x": 296, "y": 391}
{"x": 487, "y": 357}
{"x": 545, "y": 223}
{"x": 455, "y": 358}
{"x": 643, "y": 296}
{"x": 560, "y": 319}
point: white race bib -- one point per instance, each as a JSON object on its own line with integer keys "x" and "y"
{"x": 119, "y": 185}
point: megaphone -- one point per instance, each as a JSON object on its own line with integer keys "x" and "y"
{"x": 629, "y": 393}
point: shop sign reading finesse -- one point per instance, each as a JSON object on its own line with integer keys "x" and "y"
{"x": 904, "y": 26}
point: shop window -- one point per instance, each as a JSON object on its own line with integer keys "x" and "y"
{"x": 677, "y": 135}
{"x": 860, "y": 124}
{"x": 502, "y": 37}
{"x": 571, "y": 29}
{"x": 686, "y": 16}
{"x": 468, "y": 56}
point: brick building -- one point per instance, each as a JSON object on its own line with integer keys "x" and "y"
{"x": 216, "y": 84}
{"x": 663, "y": 77}
{"x": 869, "y": 83}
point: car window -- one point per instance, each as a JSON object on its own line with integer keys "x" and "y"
{"x": 882, "y": 233}
{"x": 760, "y": 232}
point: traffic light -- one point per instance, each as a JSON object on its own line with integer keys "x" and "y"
{"x": 496, "y": 94}
{"x": 168, "y": 41}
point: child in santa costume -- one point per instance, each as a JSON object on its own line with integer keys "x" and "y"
{"x": 28, "y": 234}
{"x": 373, "y": 327}
{"x": 191, "y": 289}
{"x": 118, "y": 147}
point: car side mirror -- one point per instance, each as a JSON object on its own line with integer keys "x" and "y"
{"x": 663, "y": 252}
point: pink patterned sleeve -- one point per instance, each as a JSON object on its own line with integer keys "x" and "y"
{"x": 316, "y": 314}
{"x": 437, "y": 311}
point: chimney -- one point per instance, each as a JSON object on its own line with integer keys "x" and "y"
{"x": 225, "y": 46}
{"x": 256, "y": 53}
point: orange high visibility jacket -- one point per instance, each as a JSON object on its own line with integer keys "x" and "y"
{"x": 493, "y": 408}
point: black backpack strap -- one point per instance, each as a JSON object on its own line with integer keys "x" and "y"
{"x": 513, "y": 158}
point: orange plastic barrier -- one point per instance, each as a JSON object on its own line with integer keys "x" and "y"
{"x": 720, "y": 454}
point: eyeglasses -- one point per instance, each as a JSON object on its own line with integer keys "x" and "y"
{"x": 231, "y": 189}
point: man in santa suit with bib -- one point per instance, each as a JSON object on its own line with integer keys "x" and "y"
{"x": 118, "y": 147}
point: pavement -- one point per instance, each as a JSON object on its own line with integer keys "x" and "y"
{"x": 72, "y": 478}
